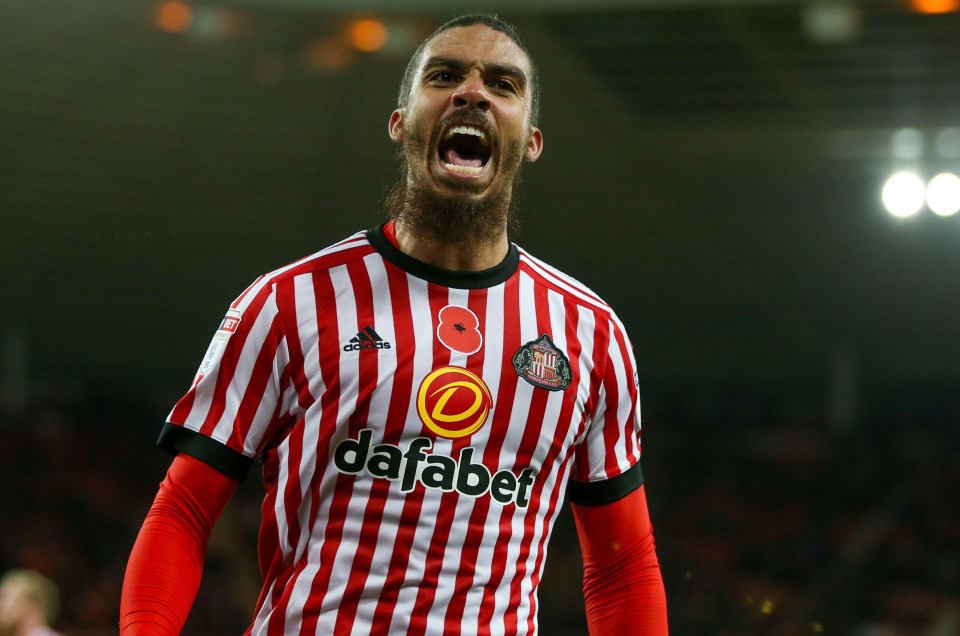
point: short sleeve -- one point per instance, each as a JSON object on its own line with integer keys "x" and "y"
{"x": 607, "y": 458}
{"x": 234, "y": 402}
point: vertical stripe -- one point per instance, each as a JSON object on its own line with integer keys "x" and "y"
{"x": 489, "y": 309}
{"x": 590, "y": 452}
{"x": 526, "y": 403}
{"x": 404, "y": 570}
{"x": 281, "y": 525}
{"x": 428, "y": 503}
{"x": 630, "y": 407}
{"x": 537, "y": 425}
{"x": 354, "y": 302}
{"x": 568, "y": 421}
{"x": 382, "y": 509}
{"x": 260, "y": 400}
{"x": 375, "y": 414}
{"x": 287, "y": 614}
{"x": 443, "y": 563}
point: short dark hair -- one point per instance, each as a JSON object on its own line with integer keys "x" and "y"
{"x": 494, "y": 23}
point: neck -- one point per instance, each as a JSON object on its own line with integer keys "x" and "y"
{"x": 460, "y": 256}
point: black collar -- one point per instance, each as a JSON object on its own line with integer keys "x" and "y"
{"x": 481, "y": 279}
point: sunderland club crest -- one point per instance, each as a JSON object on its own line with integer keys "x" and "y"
{"x": 540, "y": 363}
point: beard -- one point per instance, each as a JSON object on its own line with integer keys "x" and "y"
{"x": 457, "y": 216}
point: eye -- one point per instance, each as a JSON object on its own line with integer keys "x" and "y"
{"x": 504, "y": 85}
{"x": 444, "y": 77}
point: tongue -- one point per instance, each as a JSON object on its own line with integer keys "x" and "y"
{"x": 455, "y": 159}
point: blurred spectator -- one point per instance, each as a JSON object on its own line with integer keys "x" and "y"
{"x": 29, "y": 604}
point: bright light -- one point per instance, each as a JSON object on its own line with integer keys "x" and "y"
{"x": 174, "y": 16}
{"x": 943, "y": 194}
{"x": 903, "y": 194}
{"x": 367, "y": 35}
{"x": 935, "y": 6}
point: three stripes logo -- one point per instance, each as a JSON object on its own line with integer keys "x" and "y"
{"x": 366, "y": 339}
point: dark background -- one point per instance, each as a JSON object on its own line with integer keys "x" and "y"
{"x": 712, "y": 170}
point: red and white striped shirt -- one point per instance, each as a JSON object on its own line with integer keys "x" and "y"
{"x": 418, "y": 430}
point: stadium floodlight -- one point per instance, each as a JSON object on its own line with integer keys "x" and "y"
{"x": 943, "y": 194}
{"x": 904, "y": 194}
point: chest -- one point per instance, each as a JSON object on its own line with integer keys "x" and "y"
{"x": 511, "y": 367}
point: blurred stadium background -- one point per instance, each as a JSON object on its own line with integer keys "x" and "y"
{"x": 716, "y": 169}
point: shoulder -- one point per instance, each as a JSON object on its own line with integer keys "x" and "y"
{"x": 572, "y": 290}
{"x": 349, "y": 249}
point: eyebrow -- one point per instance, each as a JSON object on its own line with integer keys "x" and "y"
{"x": 501, "y": 70}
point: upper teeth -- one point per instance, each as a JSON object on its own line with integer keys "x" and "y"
{"x": 466, "y": 130}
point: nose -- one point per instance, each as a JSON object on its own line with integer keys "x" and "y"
{"x": 472, "y": 94}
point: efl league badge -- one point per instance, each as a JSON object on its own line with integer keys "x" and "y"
{"x": 541, "y": 364}
{"x": 219, "y": 342}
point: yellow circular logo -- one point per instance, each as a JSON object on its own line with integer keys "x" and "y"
{"x": 453, "y": 402}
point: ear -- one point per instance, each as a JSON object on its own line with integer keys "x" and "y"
{"x": 395, "y": 126}
{"x": 534, "y": 145}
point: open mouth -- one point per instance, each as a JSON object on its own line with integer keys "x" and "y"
{"x": 465, "y": 150}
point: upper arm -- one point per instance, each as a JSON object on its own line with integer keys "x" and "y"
{"x": 607, "y": 457}
{"x": 234, "y": 403}
{"x": 606, "y": 530}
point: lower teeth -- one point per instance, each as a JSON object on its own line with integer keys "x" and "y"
{"x": 462, "y": 169}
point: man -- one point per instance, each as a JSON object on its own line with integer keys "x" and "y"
{"x": 29, "y": 604}
{"x": 422, "y": 396}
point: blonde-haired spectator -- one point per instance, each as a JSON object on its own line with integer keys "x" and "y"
{"x": 29, "y": 604}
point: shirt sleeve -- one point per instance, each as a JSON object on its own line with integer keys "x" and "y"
{"x": 607, "y": 458}
{"x": 234, "y": 403}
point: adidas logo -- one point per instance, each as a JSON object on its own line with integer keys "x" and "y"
{"x": 367, "y": 338}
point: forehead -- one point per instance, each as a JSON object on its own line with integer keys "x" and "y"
{"x": 477, "y": 44}
{"x": 11, "y": 591}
